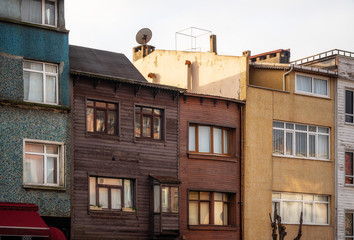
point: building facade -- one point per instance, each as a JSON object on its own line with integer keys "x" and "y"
{"x": 35, "y": 108}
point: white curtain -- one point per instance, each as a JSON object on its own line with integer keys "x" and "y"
{"x": 307, "y": 215}
{"x": 278, "y": 141}
{"x": 164, "y": 199}
{"x": 323, "y": 146}
{"x": 289, "y": 143}
{"x": 33, "y": 86}
{"x": 226, "y": 141}
{"x": 303, "y": 83}
{"x": 218, "y": 213}
{"x": 191, "y": 141}
{"x": 204, "y": 213}
{"x": 32, "y": 11}
{"x": 193, "y": 213}
{"x": 321, "y": 213}
{"x": 33, "y": 169}
{"x": 301, "y": 144}
{"x": 291, "y": 211}
{"x": 217, "y": 140}
{"x": 312, "y": 146}
{"x": 156, "y": 198}
{"x": 204, "y": 139}
{"x": 116, "y": 200}
{"x": 51, "y": 170}
{"x": 49, "y": 12}
{"x": 320, "y": 86}
{"x": 128, "y": 194}
{"x": 92, "y": 191}
{"x": 103, "y": 197}
{"x": 51, "y": 89}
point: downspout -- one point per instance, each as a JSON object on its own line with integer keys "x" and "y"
{"x": 336, "y": 158}
{"x": 284, "y": 75}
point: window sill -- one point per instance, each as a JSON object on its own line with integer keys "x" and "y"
{"x": 101, "y": 211}
{"x": 301, "y": 158}
{"x": 102, "y": 135}
{"x": 151, "y": 140}
{"x": 37, "y": 25}
{"x": 348, "y": 123}
{"x": 43, "y": 187}
{"x": 33, "y": 105}
{"x": 212, "y": 228}
{"x": 309, "y": 224}
{"x": 312, "y": 95}
{"x": 212, "y": 157}
{"x": 348, "y": 185}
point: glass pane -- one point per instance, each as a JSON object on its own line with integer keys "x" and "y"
{"x": 291, "y": 196}
{"x": 226, "y": 141}
{"x": 146, "y": 126}
{"x": 312, "y": 146}
{"x": 349, "y": 224}
{"x": 321, "y": 213}
{"x": 323, "y": 130}
{"x": 289, "y": 126}
{"x": 33, "y": 65}
{"x": 156, "y": 198}
{"x": 308, "y": 197}
{"x": 137, "y": 109}
{"x": 301, "y": 144}
{"x": 204, "y": 196}
{"x": 116, "y": 200}
{"x": 32, "y": 11}
{"x": 191, "y": 140}
{"x": 277, "y": 204}
{"x": 217, "y": 140}
{"x": 307, "y": 213}
{"x": 33, "y": 169}
{"x": 193, "y": 213}
{"x": 33, "y": 86}
{"x": 157, "y": 127}
{"x": 278, "y": 124}
{"x": 137, "y": 125}
{"x": 312, "y": 128}
{"x": 111, "y": 106}
{"x": 52, "y": 170}
{"x": 174, "y": 199}
{"x": 349, "y": 119}
{"x": 111, "y": 122}
{"x": 101, "y": 105}
{"x": 89, "y": 103}
{"x": 291, "y": 212}
{"x": 349, "y": 102}
{"x": 128, "y": 193}
{"x": 204, "y": 213}
{"x": 35, "y": 148}
{"x": 218, "y": 213}
{"x": 157, "y": 111}
{"x": 323, "y": 147}
{"x": 93, "y": 191}
{"x": 349, "y": 167}
{"x": 303, "y": 83}
{"x": 103, "y": 197}
{"x": 320, "y": 86}
{"x": 49, "y": 13}
{"x": 147, "y": 110}
{"x": 289, "y": 143}
{"x": 321, "y": 198}
{"x": 100, "y": 120}
{"x": 52, "y": 149}
{"x": 164, "y": 195}
{"x": 218, "y": 196}
{"x": 275, "y": 195}
{"x": 110, "y": 181}
{"x": 278, "y": 141}
{"x": 225, "y": 197}
{"x": 193, "y": 195}
{"x": 226, "y": 214}
{"x": 51, "y": 89}
{"x": 204, "y": 139}
{"x": 301, "y": 127}
{"x": 50, "y": 68}
{"x": 89, "y": 119}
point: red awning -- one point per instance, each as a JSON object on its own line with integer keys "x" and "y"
{"x": 22, "y": 219}
{"x": 56, "y": 234}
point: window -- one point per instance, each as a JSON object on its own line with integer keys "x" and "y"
{"x": 349, "y": 168}
{"x": 39, "y": 11}
{"x": 311, "y": 85}
{"x": 165, "y": 199}
{"x": 349, "y": 113}
{"x": 101, "y": 117}
{"x": 209, "y": 139}
{"x": 210, "y": 208}
{"x": 299, "y": 140}
{"x": 112, "y": 193}
{"x": 148, "y": 122}
{"x": 349, "y": 234}
{"x": 315, "y": 208}
{"x": 40, "y": 82}
{"x": 43, "y": 163}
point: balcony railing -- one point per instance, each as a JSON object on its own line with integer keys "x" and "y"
{"x": 319, "y": 56}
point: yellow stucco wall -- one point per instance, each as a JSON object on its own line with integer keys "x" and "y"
{"x": 208, "y": 73}
{"x": 264, "y": 173}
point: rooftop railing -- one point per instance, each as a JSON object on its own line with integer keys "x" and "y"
{"x": 319, "y": 56}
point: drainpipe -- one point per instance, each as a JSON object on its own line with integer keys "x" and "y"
{"x": 291, "y": 68}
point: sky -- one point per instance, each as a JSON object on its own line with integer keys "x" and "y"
{"x": 307, "y": 27}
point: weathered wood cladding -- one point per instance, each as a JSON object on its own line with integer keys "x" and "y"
{"x": 207, "y": 172}
{"x": 123, "y": 156}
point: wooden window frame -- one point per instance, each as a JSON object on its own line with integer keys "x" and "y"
{"x": 169, "y": 186}
{"x": 352, "y": 225}
{"x": 106, "y": 110}
{"x": 345, "y": 168}
{"x": 152, "y": 116}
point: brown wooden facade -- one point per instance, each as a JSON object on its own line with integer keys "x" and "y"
{"x": 209, "y": 173}
{"x": 122, "y": 156}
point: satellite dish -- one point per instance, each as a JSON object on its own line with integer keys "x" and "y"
{"x": 144, "y": 36}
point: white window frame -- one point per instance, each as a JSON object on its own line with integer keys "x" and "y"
{"x": 281, "y": 200}
{"x": 308, "y": 133}
{"x": 345, "y": 106}
{"x": 312, "y": 86}
{"x": 60, "y": 167}
{"x": 349, "y": 212}
{"x": 43, "y": 14}
{"x": 44, "y": 74}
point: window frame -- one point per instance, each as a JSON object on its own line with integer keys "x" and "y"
{"x": 313, "y": 216}
{"x": 163, "y": 122}
{"x": 345, "y": 107}
{"x": 109, "y": 187}
{"x": 312, "y": 85}
{"x": 230, "y": 131}
{"x": 308, "y": 134}
{"x": 345, "y": 224}
{"x": 211, "y": 202}
{"x": 60, "y": 165}
{"x": 44, "y": 74}
{"x": 345, "y": 168}
{"x": 43, "y": 14}
{"x": 107, "y": 110}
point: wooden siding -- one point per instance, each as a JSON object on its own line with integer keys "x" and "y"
{"x": 201, "y": 172}
{"x": 123, "y": 156}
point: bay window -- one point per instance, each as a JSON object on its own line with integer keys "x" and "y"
{"x": 39, "y": 11}
{"x": 101, "y": 117}
{"x": 312, "y": 85}
{"x": 299, "y": 140}
{"x": 349, "y": 173}
{"x": 165, "y": 199}
{"x": 148, "y": 122}
{"x": 349, "y": 233}
{"x": 111, "y": 193}
{"x": 349, "y": 113}
{"x": 315, "y": 208}
{"x": 40, "y": 82}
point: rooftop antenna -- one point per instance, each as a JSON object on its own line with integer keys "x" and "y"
{"x": 143, "y": 36}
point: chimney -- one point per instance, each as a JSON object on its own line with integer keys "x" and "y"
{"x": 142, "y": 51}
{"x": 213, "y": 43}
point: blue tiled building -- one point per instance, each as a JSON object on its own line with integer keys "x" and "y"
{"x": 35, "y": 120}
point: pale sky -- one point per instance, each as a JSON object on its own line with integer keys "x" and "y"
{"x": 307, "y": 27}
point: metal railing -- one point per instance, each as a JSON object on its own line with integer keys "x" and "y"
{"x": 329, "y": 53}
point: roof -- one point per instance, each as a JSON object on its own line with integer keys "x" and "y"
{"x": 214, "y": 97}
{"x": 271, "y": 52}
{"x": 99, "y": 62}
